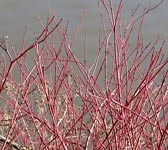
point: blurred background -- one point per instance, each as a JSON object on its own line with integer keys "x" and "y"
{"x": 15, "y": 15}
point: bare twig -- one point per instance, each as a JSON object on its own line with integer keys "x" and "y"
{"x": 12, "y": 144}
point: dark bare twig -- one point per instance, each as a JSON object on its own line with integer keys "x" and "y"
{"x": 12, "y": 144}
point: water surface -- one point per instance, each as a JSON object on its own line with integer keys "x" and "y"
{"x": 16, "y": 14}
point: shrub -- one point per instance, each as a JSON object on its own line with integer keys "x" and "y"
{"x": 57, "y": 101}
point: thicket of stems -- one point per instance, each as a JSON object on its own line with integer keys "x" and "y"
{"x": 60, "y": 102}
